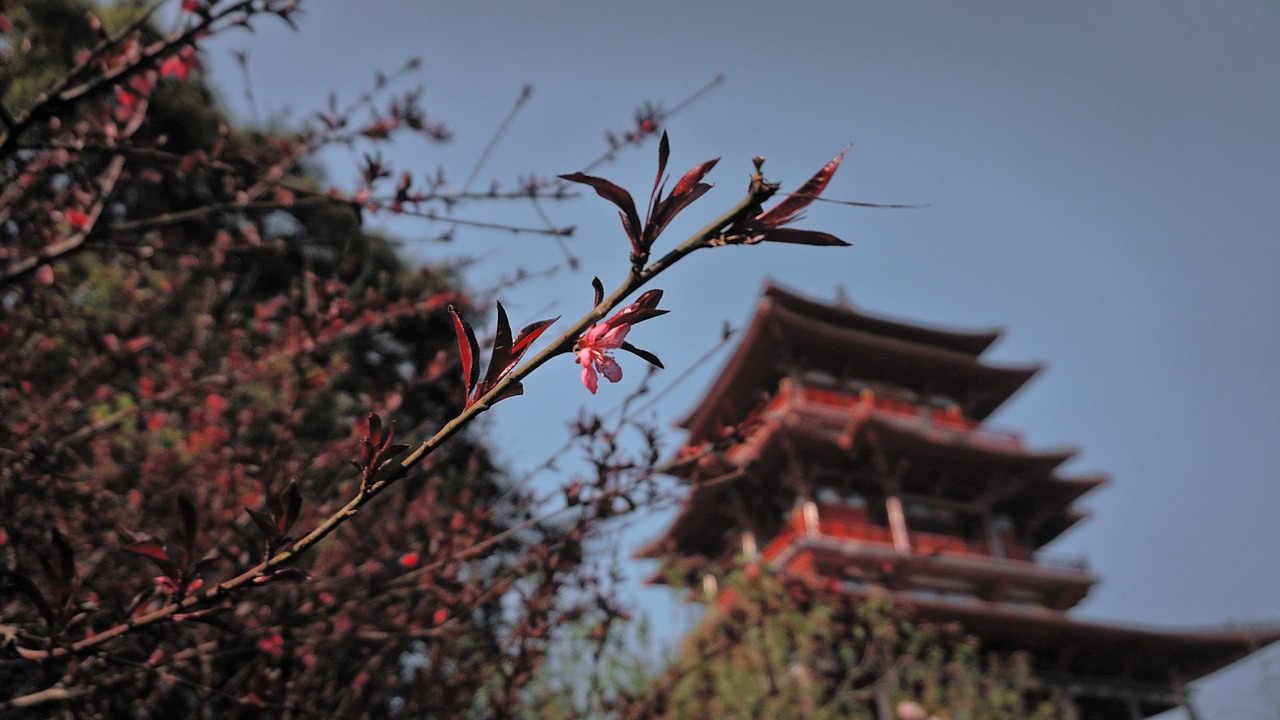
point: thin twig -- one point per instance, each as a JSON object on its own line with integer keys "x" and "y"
{"x": 525, "y": 94}
{"x": 662, "y": 118}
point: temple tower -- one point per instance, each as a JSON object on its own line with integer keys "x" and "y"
{"x": 853, "y": 452}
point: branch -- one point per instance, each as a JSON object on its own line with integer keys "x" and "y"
{"x": 65, "y": 93}
{"x": 262, "y": 571}
{"x": 106, "y": 185}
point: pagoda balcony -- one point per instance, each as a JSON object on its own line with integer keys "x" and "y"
{"x": 839, "y": 548}
{"x": 835, "y": 405}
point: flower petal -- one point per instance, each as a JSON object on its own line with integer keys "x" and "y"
{"x": 609, "y": 368}
{"x": 612, "y": 340}
{"x": 589, "y": 377}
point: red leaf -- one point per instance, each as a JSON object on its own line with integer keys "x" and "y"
{"x": 266, "y": 523}
{"x": 156, "y": 554}
{"x": 149, "y": 549}
{"x": 512, "y": 390}
{"x": 468, "y": 349}
{"x": 528, "y": 334}
{"x": 664, "y": 151}
{"x": 500, "y": 358}
{"x": 599, "y": 288}
{"x": 690, "y": 188}
{"x": 644, "y": 308}
{"x": 803, "y": 237}
{"x": 617, "y": 196}
{"x": 693, "y": 177}
{"x": 292, "y": 502}
{"x": 786, "y": 211}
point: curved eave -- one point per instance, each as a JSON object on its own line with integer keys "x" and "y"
{"x": 979, "y": 387}
{"x": 842, "y": 350}
{"x": 740, "y": 370}
{"x": 962, "y": 341}
{"x": 913, "y": 439}
{"x": 1090, "y": 647}
{"x": 1057, "y": 525}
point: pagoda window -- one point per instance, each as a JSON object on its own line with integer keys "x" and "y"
{"x": 925, "y": 517}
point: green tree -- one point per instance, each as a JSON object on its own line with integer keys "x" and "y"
{"x": 778, "y": 648}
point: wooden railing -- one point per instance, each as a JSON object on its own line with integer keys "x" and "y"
{"x": 845, "y": 523}
{"x": 933, "y": 417}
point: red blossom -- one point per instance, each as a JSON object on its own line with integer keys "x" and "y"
{"x": 593, "y": 348}
{"x": 77, "y": 220}
{"x": 180, "y": 65}
{"x": 272, "y": 645}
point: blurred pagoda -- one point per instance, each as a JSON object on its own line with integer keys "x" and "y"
{"x": 851, "y": 452}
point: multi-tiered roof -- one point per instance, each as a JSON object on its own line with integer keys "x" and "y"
{"x": 852, "y": 451}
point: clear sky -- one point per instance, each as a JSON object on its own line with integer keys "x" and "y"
{"x": 1100, "y": 178}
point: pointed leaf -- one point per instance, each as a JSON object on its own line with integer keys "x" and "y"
{"x": 615, "y": 195}
{"x": 803, "y": 237}
{"x": 786, "y": 210}
{"x": 512, "y": 390}
{"x": 500, "y": 358}
{"x": 156, "y": 554}
{"x": 644, "y": 308}
{"x": 151, "y": 550}
{"x": 468, "y": 349}
{"x": 528, "y": 334}
{"x": 266, "y": 524}
{"x": 672, "y": 206}
{"x": 599, "y": 288}
{"x": 664, "y": 152}
{"x": 693, "y": 177}
{"x": 643, "y": 354}
{"x": 292, "y": 501}
{"x": 387, "y": 437}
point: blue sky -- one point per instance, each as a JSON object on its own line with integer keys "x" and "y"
{"x": 1100, "y": 179}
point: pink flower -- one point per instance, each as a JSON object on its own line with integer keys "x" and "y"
{"x": 593, "y": 353}
{"x": 593, "y": 348}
